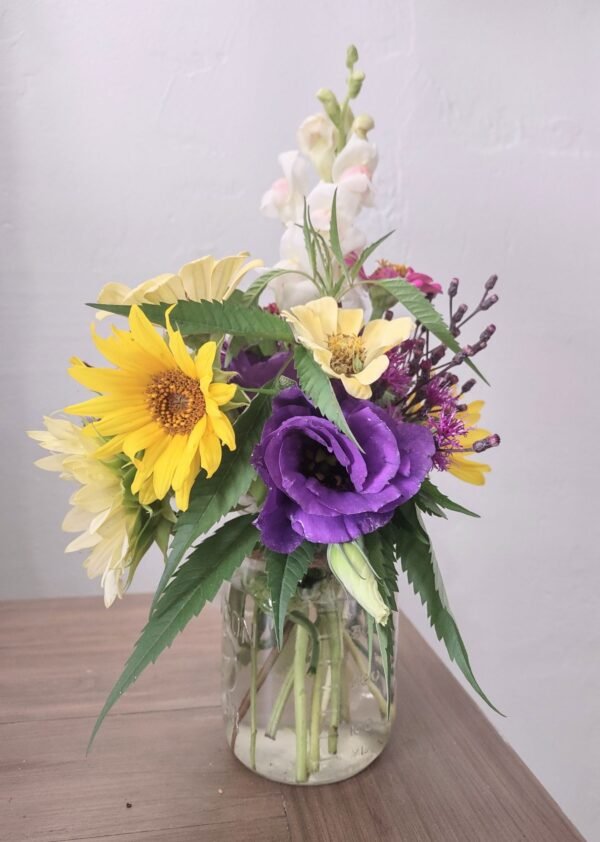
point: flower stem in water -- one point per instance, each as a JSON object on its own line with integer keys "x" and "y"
{"x": 314, "y": 759}
{"x": 302, "y": 638}
{"x": 335, "y": 644}
{"x": 280, "y": 702}
{"x": 253, "y": 676}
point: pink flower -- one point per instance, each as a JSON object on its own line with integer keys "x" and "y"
{"x": 423, "y": 282}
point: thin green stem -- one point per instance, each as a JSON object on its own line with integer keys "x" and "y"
{"x": 253, "y": 683}
{"x": 280, "y": 703}
{"x": 300, "y": 652}
{"x": 314, "y": 759}
{"x": 335, "y": 644}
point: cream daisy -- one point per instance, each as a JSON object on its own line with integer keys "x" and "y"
{"x": 341, "y": 346}
{"x": 204, "y": 279}
{"x": 113, "y": 526}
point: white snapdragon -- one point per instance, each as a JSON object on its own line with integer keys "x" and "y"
{"x": 317, "y": 139}
{"x": 284, "y": 200}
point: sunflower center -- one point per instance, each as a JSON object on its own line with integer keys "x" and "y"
{"x": 175, "y": 401}
{"x": 347, "y": 353}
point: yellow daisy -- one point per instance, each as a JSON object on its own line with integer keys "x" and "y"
{"x": 160, "y": 407}
{"x": 113, "y": 526}
{"x": 204, "y": 279}
{"x": 342, "y": 348}
{"x": 462, "y": 465}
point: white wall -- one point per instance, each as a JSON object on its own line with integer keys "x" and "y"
{"x": 138, "y": 135}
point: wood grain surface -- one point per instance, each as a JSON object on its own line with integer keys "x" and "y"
{"x": 161, "y": 771}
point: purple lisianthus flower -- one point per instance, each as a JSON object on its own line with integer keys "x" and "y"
{"x": 254, "y": 370}
{"x": 320, "y": 486}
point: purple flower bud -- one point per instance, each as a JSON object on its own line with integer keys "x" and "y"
{"x": 453, "y": 287}
{"x": 489, "y": 302}
{"x": 487, "y": 334}
{"x": 437, "y": 354}
{"x": 468, "y": 386}
{"x": 485, "y": 444}
{"x": 459, "y": 315}
{"x": 461, "y": 407}
{"x": 388, "y": 315}
{"x": 491, "y": 282}
{"x": 451, "y": 379}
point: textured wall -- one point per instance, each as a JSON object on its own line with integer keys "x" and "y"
{"x": 138, "y": 135}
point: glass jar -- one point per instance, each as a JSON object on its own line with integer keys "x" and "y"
{"x": 314, "y": 711}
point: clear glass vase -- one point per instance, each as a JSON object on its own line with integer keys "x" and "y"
{"x": 316, "y": 710}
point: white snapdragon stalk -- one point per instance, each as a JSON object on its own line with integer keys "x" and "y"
{"x": 318, "y": 139}
{"x": 284, "y": 200}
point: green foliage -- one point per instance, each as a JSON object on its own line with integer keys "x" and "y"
{"x": 419, "y": 563}
{"x": 283, "y": 575}
{"x": 385, "y": 635}
{"x": 212, "y": 498}
{"x": 258, "y": 286}
{"x": 431, "y": 500}
{"x": 366, "y": 253}
{"x": 196, "y": 583}
{"x": 317, "y": 386}
{"x": 381, "y": 300}
{"x": 417, "y": 304}
{"x": 214, "y": 317}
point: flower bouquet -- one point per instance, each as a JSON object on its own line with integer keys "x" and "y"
{"x": 288, "y": 450}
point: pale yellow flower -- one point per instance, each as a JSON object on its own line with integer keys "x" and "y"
{"x": 341, "y": 347}
{"x": 205, "y": 279}
{"x": 109, "y": 520}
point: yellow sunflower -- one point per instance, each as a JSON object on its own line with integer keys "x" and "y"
{"x": 462, "y": 465}
{"x": 341, "y": 347}
{"x": 204, "y": 279}
{"x": 159, "y": 406}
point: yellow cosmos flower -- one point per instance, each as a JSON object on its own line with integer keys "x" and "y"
{"x": 159, "y": 406}
{"x": 342, "y": 348}
{"x": 110, "y": 521}
{"x": 462, "y": 465}
{"x": 205, "y": 279}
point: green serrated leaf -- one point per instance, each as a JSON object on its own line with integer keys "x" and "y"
{"x": 385, "y": 635}
{"x": 283, "y": 575}
{"x": 382, "y": 558}
{"x": 214, "y": 317}
{"x": 212, "y": 498}
{"x": 258, "y": 286}
{"x": 195, "y": 584}
{"x": 417, "y": 304}
{"x": 419, "y": 563}
{"x": 317, "y": 386}
{"x": 430, "y": 496}
{"x": 366, "y": 254}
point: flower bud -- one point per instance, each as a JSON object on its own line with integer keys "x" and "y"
{"x": 355, "y": 83}
{"x": 362, "y": 125}
{"x": 332, "y": 107}
{"x": 351, "y": 56}
{"x": 351, "y": 568}
{"x": 485, "y": 444}
{"x": 453, "y": 287}
{"x": 468, "y": 386}
{"x": 459, "y": 315}
{"x": 489, "y": 302}
{"x": 487, "y": 334}
{"x": 491, "y": 282}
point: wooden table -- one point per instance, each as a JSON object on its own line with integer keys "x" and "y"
{"x": 161, "y": 771}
